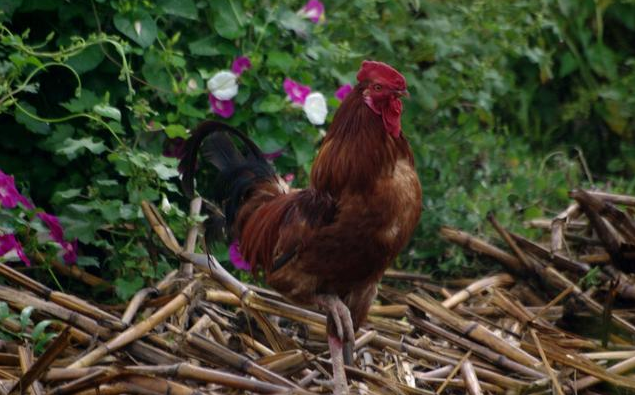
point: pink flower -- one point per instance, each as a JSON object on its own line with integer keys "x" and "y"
{"x": 288, "y": 178}
{"x": 236, "y": 257}
{"x": 224, "y": 108}
{"x": 296, "y": 92}
{"x": 314, "y": 10}
{"x": 57, "y": 235}
{"x": 70, "y": 251}
{"x": 240, "y": 64}
{"x": 9, "y": 195}
{"x": 8, "y": 243}
{"x": 273, "y": 155}
{"x": 343, "y": 91}
{"x": 56, "y": 231}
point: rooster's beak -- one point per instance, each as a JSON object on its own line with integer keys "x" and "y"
{"x": 402, "y": 92}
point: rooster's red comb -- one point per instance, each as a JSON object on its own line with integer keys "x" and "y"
{"x": 372, "y": 70}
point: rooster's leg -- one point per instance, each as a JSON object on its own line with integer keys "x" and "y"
{"x": 340, "y": 386}
{"x": 340, "y": 330}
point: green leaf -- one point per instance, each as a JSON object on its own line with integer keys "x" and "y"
{"x": 30, "y": 123}
{"x": 4, "y": 311}
{"x": 25, "y": 317}
{"x": 73, "y": 147}
{"x": 270, "y": 104}
{"x": 164, "y": 172}
{"x": 183, "y": 8}
{"x": 280, "y": 61}
{"x": 205, "y": 46}
{"x": 86, "y": 60}
{"x": 228, "y": 19}
{"x": 126, "y": 288}
{"x": 140, "y": 27}
{"x": 174, "y": 131}
{"x": 108, "y": 111}
{"x": 86, "y": 261}
{"x": 85, "y": 101}
{"x": 38, "y": 330}
{"x": 61, "y": 196}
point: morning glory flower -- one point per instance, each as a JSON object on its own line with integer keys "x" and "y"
{"x": 224, "y": 108}
{"x": 236, "y": 258}
{"x": 223, "y": 85}
{"x": 313, "y": 10}
{"x": 240, "y": 64}
{"x": 56, "y": 233}
{"x": 9, "y": 243}
{"x": 315, "y": 108}
{"x": 343, "y": 91}
{"x": 9, "y": 195}
{"x": 288, "y": 178}
{"x": 69, "y": 250}
{"x": 296, "y": 92}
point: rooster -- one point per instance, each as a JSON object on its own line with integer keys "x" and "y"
{"x": 327, "y": 245}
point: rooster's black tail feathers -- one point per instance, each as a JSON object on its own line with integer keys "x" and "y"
{"x": 237, "y": 170}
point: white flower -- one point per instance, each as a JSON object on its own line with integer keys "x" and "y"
{"x": 315, "y": 108}
{"x": 223, "y": 85}
{"x": 165, "y": 204}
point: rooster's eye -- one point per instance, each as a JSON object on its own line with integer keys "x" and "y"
{"x": 377, "y": 87}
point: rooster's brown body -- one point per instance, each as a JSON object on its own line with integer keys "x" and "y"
{"x": 338, "y": 236}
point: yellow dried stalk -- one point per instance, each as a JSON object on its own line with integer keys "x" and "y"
{"x": 139, "y": 330}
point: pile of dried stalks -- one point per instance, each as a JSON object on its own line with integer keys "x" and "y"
{"x": 205, "y": 332}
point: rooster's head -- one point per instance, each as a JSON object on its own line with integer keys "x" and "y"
{"x": 382, "y": 87}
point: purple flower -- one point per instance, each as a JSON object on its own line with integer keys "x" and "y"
{"x": 9, "y": 195}
{"x": 240, "y": 64}
{"x": 273, "y": 154}
{"x": 314, "y": 10}
{"x": 236, "y": 258}
{"x": 343, "y": 91}
{"x": 70, "y": 251}
{"x": 224, "y": 108}
{"x": 8, "y": 243}
{"x": 57, "y": 235}
{"x": 56, "y": 231}
{"x": 297, "y": 93}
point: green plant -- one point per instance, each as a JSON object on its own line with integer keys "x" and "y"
{"x": 496, "y": 87}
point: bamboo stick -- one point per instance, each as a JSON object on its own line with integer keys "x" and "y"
{"x": 480, "y": 246}
{"x": 559, "y": 224}
{"x": 469, "y": 376}
{"x": 21, "y": 300}
{"x": 484, "y": 352}
{"x": 26, "y": 362}
{"x": 501, "y": 280}
{"x": 135, "y": 303}
{"x": 554, "y": 379}
{"x": 590, "y": 206}
{"x": 471, "y": 329}
{"x": 454, "y": 371}
{"x": 187, "y": 269}
{"x": 137, "y": 331}
{"x": 67, "y": 301}
{"x": 191, "y": 372}
{"x": 613, "y": 197}
{"x": 618, "y": 368}
{"x": 43, "y": 362}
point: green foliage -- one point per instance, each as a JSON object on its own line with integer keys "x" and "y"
{"x": 37, "y": 335}
{"x": 501, "y": 93}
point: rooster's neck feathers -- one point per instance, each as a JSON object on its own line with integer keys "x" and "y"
{"x": 357, "y": 148}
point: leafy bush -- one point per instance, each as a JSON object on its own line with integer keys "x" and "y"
{"x": 90, "y": 93}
